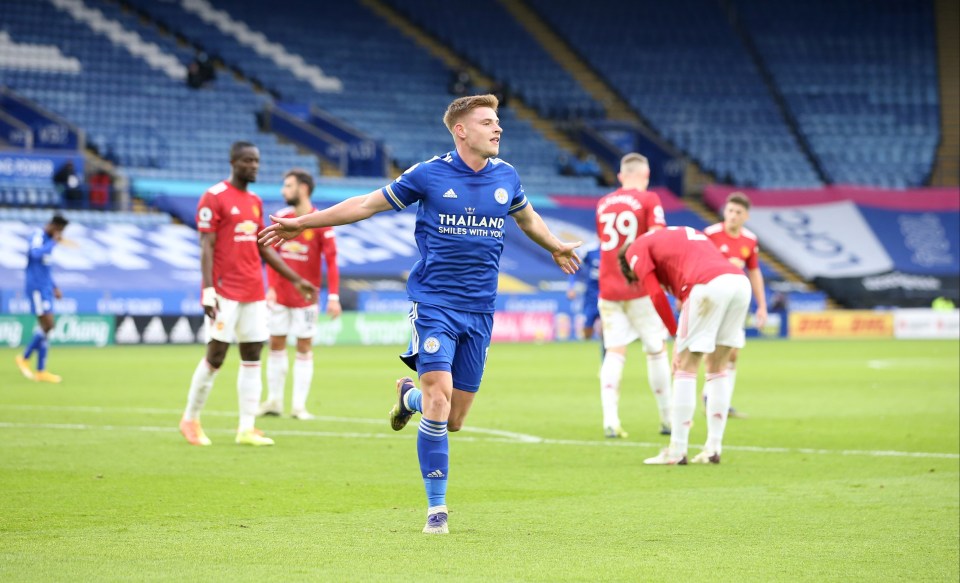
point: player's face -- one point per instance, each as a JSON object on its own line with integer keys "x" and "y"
{"x": 55, "y": 232}
{"x": 291, "y": 191}
{"x": 482, "y": 129}
{"x": 734, "y": 215}
{"x": 246, "y": 164}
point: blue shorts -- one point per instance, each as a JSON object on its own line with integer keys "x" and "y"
{"x": 591, "y": 310}
{"x": 449, "y": 340}
{"x": 41, "y": 301}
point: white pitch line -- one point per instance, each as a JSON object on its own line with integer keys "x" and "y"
{"x": 464, "y": 438}
{"x": 510, "y": 435}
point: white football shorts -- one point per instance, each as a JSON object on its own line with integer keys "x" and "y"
{"x": 298, "y": 322}
{"x": 238, "y": 321}
{"x": 714, "y": 314}
{"x": 627, "y": 320}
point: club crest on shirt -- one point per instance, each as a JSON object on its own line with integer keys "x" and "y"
{"x": 256, "y": 212}
{"x": 500, "y": 195}
{"x": 431, "y": 345}
{"x": 308, "y": 234}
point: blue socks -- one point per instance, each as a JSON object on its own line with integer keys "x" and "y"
{"x": 42, "y": 355}
{"x": 434, "y": 452}
{"x": 38, "y": 343}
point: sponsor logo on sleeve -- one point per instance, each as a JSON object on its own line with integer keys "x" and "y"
{"x": 204, "y": 216}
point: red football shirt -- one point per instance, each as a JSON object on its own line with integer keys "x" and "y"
{"x": 303, "y": 254}
{"x": 236, "y": 216}
{"x": 681, "y": 257}
{"x": 742, "y": 251}
{"x": 622, "y": 216}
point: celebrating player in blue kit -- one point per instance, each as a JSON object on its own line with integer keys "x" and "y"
{"x": 41, "y": 291}
{"x": 463, "y": 199}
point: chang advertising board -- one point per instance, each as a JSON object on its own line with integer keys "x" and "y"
{"x": 68, "y": 329}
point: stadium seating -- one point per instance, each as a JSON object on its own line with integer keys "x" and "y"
{"x": 682, "y": 67}
{"x": 862, "y": 83}
{"x": 505, "y": 51}
{"x": 393, "y": 90}
{"x": 151, "y": 122}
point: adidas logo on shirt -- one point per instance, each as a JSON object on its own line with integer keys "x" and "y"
{"x": 435, "y": 474}
{"x": 450, "y": 194}
{"x": 234, "y": 211}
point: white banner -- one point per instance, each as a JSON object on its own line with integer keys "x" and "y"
{"x": 926, "y": 323}
{"x": 828, "y": 240}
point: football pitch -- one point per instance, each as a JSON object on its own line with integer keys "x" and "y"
{"x": 848, "y": 468}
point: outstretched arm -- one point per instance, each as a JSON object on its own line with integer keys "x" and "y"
{"x": 349, "y": 211}
{"x": 531, "y": 223}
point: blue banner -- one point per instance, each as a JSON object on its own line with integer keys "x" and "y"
{"x": 22, "y": 169}
{"x": 925, "y": 243}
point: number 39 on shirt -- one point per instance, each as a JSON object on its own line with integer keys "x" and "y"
{"x": 617, "y": 228}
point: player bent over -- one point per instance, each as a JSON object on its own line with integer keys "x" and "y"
{"x": 462, "y": 198}
{"x": 41, "y": 290}
{"x": 715, "y": 296}
{"x": 228, "y": 218}
{"x": 290, "y": 313}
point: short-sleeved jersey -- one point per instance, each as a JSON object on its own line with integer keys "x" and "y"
{"x": 236, "y": 216}
{"x": 742, "y": 251}
{"x": 459, "y": 229}
{"x": 303, "y": 254}
{"x": 39, "y": 256}
{"x": 681, "y": 257}
{"x": 622, "y": 216}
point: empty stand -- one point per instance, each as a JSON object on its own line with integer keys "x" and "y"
{"x": 150, "y": 122}
{"x": 682, "y": 67}
{"x": 861, "y": 80}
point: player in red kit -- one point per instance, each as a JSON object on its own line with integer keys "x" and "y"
{"x": 739, "y": 245}
{"x": 229, "y": 218}
{"x": 715, "y": 296}
{"x": 290, "y": 312}
{"x": 626, "y": 313}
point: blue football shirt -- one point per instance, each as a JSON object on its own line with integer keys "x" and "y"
{"x": 459, "y": 229}
{"x": 38, "y": 261}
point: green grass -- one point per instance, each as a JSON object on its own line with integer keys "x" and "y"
{"x": 96, "y": 484}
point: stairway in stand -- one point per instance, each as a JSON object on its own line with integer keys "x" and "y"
{"x": 946, "y": 170}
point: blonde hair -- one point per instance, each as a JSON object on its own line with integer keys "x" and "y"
{"x": 633, "y": 162}
{"x": 461, "y": 106}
